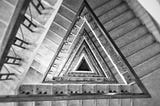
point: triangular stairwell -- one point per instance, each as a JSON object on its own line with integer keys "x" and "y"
{"x": 86, "y": 55}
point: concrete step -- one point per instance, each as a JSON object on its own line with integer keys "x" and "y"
{"x": 44, "y": 54}
{"x": 113, "y": 13}
{"x": 137, "y": 45}
{"x": 145, "y": 60}
{"x": 144, "y": 54}
{"x": 58, "y": 29}
{"x": 72, "y": 4}
{"x": 124, "y": 28}
{"x": 50, "y": 44}
{"x": 59, "y": 19}
{"x": 96, "y": 4}
{"x": 66, "y": 13}
{"x": 140, "y": 56}
{"x": 34, "y": 76}
{"x": 148, "y": 66}
{"x": 44, "y": 60}
{"x": 115, "y": 22}
{"x": 131, "y": 36}
{"x": 132, "y": 47}
{"x": 107, "y": 6}
{"x": 54, "y": 37}
{"x": 35, "y": 64}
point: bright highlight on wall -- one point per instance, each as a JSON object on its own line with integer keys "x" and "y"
{"x": 153, "y": 7}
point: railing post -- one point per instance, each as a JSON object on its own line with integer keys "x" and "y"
{"x": 38, "y": 5}
{"x": 12, "y": 29}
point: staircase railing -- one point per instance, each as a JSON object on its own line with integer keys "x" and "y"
{"x": 10, "y": 39}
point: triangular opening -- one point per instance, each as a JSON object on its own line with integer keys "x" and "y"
{"x": 83, "y": 66}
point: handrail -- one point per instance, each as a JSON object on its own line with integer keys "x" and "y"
{"x": 12, "y": 29}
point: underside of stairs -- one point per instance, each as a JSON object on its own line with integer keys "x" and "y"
{"x": 134, "y": 35}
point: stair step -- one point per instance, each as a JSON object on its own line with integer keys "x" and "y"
{"x": 128, "y": 15}
{"x": 131, "y": 36}
{"x": 107, "y": 6}
{"x": 148, "y": 66}
{"x": 57, "y": 29}
{"x": 137, "y": 45}
{"x": 62, "y": 21}
{"x": 72, "y": 4}
{"x": 66, "y": 13}
{"x": 96, "y": 4}
{"x": 141, "y": 44}
{"x": 54, "y": 37}
{"x": 44, "y": 59}
{"x": 145, "y": 67}
{"x": 33, "y": 76}
{"x": 44, "y": 51}
{"x": 69, "y": 9}
{"x": 144, "y": 54}
{"x": 113, "y": 13}
{"x": 50, "y": 44}
{"x": 35, "y": 65}
{"x": 124, "y": 28}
